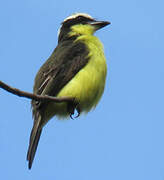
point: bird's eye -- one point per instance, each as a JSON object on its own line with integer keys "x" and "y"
{"x": 80, "y": 18}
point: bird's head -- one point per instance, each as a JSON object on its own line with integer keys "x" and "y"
{"x": 79, "y": 24}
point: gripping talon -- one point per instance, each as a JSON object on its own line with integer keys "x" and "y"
{"x": 71, "y": 116}
{"x": 78, "y": 111}
{"x": 71, "y": 107}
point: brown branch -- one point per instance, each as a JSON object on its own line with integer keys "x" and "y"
{"x": 34, "y": 96}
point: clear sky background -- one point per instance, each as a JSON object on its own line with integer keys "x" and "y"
{"x": 123, "y": 139}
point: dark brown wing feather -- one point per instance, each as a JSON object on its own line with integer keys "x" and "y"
{"x": 65, "y": 62}
{"x": 67, "y": 59}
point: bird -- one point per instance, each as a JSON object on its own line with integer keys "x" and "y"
{"x": 76, "y": 68}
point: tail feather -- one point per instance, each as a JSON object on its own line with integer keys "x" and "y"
{"x": 34, "y": 140}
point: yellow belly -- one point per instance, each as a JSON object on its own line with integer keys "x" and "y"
{"x": 87, "y": 85}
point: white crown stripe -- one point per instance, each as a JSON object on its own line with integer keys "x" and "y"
{"x": 78, "y": 14}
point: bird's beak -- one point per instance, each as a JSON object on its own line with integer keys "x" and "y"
{"x": 99, "y": 24}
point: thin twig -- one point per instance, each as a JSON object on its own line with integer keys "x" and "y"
{"x": 34, "y": 96}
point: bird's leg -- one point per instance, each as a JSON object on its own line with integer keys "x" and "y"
{"x": 71, "y": 107}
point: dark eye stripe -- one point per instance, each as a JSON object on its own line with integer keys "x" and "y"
{"x": 82, "y": 18}
{"x": 77, "y": 20}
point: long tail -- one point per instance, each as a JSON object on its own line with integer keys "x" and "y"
{"x": 34, "y": 140}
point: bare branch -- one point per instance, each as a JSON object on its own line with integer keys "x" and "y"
{"x": 34, "y": 96}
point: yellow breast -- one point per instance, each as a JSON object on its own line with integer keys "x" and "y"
{"x": 88, "y": 84}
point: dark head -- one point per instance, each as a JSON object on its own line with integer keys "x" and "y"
{"x": 79, "y": 24}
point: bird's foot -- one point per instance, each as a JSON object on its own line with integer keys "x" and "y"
{"x": 74, "y": 105}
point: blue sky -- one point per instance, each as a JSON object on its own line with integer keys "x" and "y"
{"x": 124, "y": 137}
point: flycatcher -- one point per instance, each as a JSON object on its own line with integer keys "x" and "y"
{"x": 76, "y": 68}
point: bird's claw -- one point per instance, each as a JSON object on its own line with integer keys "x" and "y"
{"x": 71, "y": 109}
{"x": 71, "y": 116}
{"x": 78, "y": 111}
